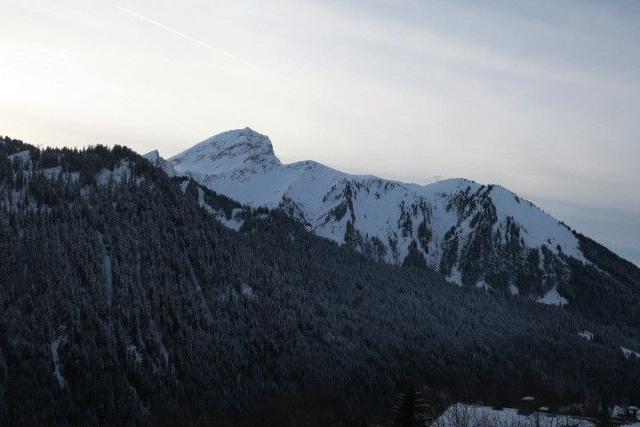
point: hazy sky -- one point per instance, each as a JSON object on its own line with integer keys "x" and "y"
{"x": 541, "y": 97}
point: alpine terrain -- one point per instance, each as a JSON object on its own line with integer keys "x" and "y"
{"x": 132, "y": 297}
{"x": 476, "y": 235}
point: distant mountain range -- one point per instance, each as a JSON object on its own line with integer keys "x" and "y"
{"x": 476, "y": 235}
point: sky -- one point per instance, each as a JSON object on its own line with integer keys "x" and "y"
{"x": 540, "y": 97}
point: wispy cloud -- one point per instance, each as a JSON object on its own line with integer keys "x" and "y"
{"x": 201, "y": 43}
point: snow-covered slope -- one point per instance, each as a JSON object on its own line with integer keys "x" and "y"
{"x": 157, "y": 161}
{"x": 475, "y": 234}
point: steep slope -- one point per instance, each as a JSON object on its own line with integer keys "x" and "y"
{"x": 477, "y": 235}
{"x": 123, "y": 301}
{"x": 154, "y": 158}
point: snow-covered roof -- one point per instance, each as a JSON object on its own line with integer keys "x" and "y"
{"x": 480, "y": 416}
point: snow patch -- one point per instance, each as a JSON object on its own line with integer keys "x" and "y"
{"x": 55, "y": 356}
{"x": 629, "y": 353}
{"x": 133, "y": 352}
{"x": 455, "y": 277}
{"x": 21, "y": 155}
{"x": 52, "y": 173}
{"x": 119, "y": 174}
{"x": 587, "y": 335}
{"x": 483, "y": 285}
{"x": 233, "y": 223}
{"x": 247, "y": 291}
{"x": 553, "y": 297}
{"x": 159, "y": 162}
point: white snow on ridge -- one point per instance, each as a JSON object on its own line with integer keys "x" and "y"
{"x": 230, "y": 151}
{"x": 156, "y": 160}
{"x": 242, "y": 165}
{"x": 540, "y": 228}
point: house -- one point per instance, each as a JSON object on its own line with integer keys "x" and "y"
{"x": 625, "y": 413}
{"x": 618, "y": 412}
{"x": 468, "y": 415}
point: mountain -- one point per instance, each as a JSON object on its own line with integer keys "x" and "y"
{"x": 125, "y": 301}
{"x": 154, "y": 158}
{"x": 476, "y": 235}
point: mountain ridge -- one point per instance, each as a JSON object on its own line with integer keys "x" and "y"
{"x": 475, "y": 234}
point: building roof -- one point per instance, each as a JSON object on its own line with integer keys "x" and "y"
{"x": 480, "y": 416}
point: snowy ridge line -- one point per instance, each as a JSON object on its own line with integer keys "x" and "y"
{"x": 456, "y": 226}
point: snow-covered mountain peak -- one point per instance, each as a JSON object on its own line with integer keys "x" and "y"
{"x": 156, "y": 160}
{"x": 241, "y": 151}
{"x": 152, "y": 155}
{"x": 476, "y": 235}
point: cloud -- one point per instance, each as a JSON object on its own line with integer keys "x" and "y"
{"x": 201, "y": 43}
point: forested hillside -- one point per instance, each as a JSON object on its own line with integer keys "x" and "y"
{"x": 125, "y": 301}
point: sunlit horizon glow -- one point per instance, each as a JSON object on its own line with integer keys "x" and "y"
{"x": 540, "y": 97}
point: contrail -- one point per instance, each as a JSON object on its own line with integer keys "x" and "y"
{"x": 188, "y": 37}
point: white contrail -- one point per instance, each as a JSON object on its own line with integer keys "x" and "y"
{"x": 188, "y": 37}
